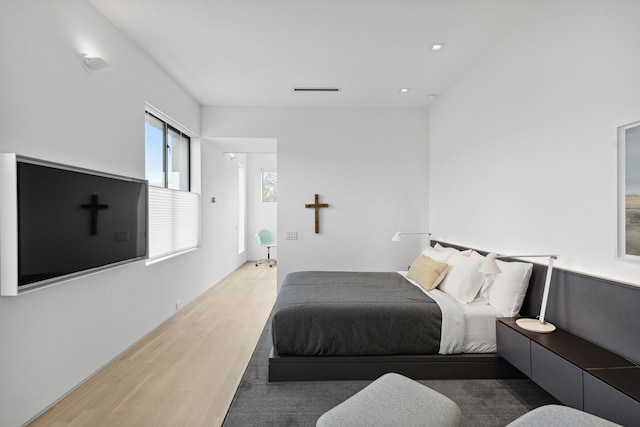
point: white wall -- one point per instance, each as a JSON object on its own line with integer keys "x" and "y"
{"x": 523, "y": 148}
{"x": 260, "y": 214}
{"x": 52, "y": 108}
{"x": 220, "y": 219}
{"x": 369, "y": 165}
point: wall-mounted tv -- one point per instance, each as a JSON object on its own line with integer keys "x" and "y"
{"x": 58, "y": 222}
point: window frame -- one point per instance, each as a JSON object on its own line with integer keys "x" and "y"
{"x": 166, "y": 155}
{"x": 262, "y": 173}
{"x": 181, "y": 208}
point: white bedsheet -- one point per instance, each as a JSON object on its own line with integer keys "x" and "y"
{"x": 466, "y": 328}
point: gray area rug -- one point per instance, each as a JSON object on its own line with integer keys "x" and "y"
{"x": 300, "y": 403}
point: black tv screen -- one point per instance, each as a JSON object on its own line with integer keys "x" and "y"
{"x": 71, "y": 221}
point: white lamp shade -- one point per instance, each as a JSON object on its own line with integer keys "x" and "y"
{"x": 489, "y": 265}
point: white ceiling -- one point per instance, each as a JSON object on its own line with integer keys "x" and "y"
{"x": 253, "y": 52}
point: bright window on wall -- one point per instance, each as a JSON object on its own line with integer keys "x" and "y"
{"x": 242, "y": 209}
{"x": 269, "y": 185}
{"x": 174, "y": 212}
{"x": 167, "y": 154}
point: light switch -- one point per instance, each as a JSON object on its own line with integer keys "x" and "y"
{"x": 122, "y": 236}
{"x": 291, "y": 235}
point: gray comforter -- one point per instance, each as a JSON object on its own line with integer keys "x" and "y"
{"x": 347, "y": 313}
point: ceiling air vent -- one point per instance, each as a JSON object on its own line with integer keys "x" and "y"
{"x": 316, "y": 89}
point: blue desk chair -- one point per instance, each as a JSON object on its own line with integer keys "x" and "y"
{"x": 268, "y": 240}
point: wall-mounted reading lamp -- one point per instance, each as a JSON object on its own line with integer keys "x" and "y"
{"x": 489, "y": 266}
{"x": 396, "y": 237}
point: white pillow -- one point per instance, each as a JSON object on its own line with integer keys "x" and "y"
{"x": 463, "y": 280}
{"x": 437, "y": 255}
{"x": 487, "y": 280}
{"x": 508, "y": 289}
{"x": 441, "y": 248}
{"x": 476, "y": 255}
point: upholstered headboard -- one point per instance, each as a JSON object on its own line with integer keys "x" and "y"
{"x": 599, "y": 310}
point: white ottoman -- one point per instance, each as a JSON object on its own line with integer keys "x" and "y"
{"x": 393, "y": 400}
{"x": 560, "y": 416}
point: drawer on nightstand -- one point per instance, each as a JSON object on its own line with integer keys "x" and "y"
{"x": 607, "y": 402}
{"x": 514, "y": 348}
{"x": 558, "y": 376}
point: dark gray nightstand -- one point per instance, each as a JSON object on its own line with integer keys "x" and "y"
{"x": 575, "y": 371}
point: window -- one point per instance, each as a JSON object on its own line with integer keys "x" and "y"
{"x": 242, "y": 209}
{"x": 167, "y": 154}
{"x": 174, "y": 212}
{"x": 154, "y": 150}
{"x": 269, "y": 185}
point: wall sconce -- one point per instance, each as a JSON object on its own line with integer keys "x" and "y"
{"x": 396, "y": 237}
{"x": 489, "y": 266}
{"x": 94, "y": 62}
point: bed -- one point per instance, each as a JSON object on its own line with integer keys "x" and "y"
{"x": 359, "y": 325}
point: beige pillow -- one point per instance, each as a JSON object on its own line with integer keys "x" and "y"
{"x": 427, "y": 272}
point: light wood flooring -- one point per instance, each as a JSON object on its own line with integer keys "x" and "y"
{"x": 184, "y": 373}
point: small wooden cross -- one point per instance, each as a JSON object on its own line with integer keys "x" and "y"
{"x": 317, "y": 207}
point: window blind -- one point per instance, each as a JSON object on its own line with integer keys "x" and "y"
{"x": 173, "y": 221}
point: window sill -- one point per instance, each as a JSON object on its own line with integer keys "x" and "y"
{"x": 167, "y": 257}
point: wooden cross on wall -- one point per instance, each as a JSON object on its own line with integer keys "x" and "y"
{"x": 317, "y": 207}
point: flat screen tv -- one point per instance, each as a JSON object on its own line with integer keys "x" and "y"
{"x": 68, "y": 222}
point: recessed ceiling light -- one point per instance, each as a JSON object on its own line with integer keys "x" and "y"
{"x": 437, "y": 46}
{"x": 431, "y": 96}
{"x": 404, "y": 89}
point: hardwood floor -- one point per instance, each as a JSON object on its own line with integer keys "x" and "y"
{"x": 184, "y": 373}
